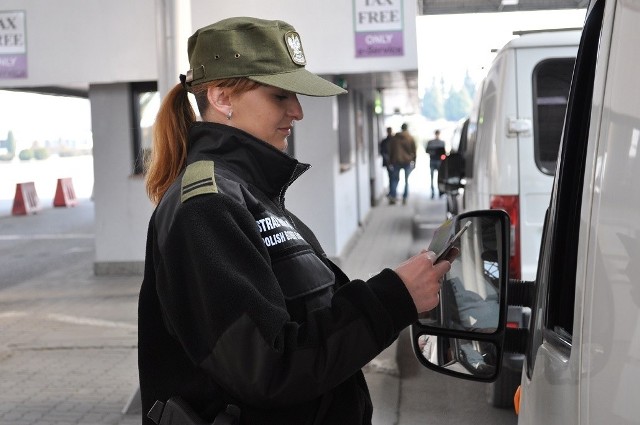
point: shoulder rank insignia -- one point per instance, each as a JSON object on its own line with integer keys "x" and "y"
{"x": 198, "y": 179}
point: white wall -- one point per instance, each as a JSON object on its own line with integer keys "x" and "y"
{"x": 362, "y": 162}
{"x": 81, "y": 41}
{"x": 311, "y": 197}
{"x": 331, "y": 203}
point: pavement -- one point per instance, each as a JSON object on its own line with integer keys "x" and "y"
{"x": 68, "y": 338}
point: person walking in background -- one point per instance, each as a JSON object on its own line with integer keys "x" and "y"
{"x": 402, "y": 156}
{"x": 436, "y": 150}
{"x": 383, "y": 149}
{"x": 239, "y": 304}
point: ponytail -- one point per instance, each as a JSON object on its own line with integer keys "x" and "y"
{"x": 171, "y": 132}
{"x": 170, "y": 139}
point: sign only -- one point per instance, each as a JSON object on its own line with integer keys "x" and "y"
{"x": 378, "y": 28}
{"x": 13, "y": 45}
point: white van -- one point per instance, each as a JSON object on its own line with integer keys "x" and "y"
{"x": 582, "y": 346}
{"x": 514, "y": 133}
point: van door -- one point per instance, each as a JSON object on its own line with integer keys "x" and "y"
{"x": 555, "y": 361}
{"x": 543, "y": 81}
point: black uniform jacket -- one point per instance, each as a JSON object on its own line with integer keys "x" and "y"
{"x": 239, "y": 304}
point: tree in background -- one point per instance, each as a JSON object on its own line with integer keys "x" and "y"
{"x": 457, "y": 105}
{"x": 469, "y": 85}
{"x": 10, "y": 145}
{"x": 452, "y": 106}
{"x": 432, "y": 102}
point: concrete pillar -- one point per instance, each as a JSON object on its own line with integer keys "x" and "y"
{"x": 122, "y": 208}
{"x": 173, "y": 28}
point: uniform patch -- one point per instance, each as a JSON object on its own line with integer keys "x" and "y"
{"x": 277, "y": 231}
{"x": 198, "y": 179}
{"x": 294, "y": 45}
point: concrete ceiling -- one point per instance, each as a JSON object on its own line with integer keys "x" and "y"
{"x": 399, "y": 89}
{"x": 439, "y": 7}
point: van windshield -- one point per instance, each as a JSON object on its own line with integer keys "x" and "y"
{"x": 551, "y": 82}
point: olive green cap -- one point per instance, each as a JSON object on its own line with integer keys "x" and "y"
{"x": 268, "y": 52}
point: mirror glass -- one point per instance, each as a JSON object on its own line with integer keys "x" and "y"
{"x": 468, "y": 357}
{"x": 470, "y": 294}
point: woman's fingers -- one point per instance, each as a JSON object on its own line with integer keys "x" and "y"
{"x": 422, "y": 278}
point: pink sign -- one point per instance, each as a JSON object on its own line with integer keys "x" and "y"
{"x": 379, "y": 43}
{"x": 13, "y": 66}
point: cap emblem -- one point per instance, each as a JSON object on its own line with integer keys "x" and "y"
{"x": 294, "y": 45}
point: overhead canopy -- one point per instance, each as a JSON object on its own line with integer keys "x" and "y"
{"x": 439, "y": 7}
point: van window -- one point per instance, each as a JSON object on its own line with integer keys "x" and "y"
{"x": 551, "y": 82}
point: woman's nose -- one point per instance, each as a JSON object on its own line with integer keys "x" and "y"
{"x": 295, "y": 109}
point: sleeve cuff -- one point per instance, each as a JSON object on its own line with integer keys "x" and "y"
{"x": 394, "y": 296}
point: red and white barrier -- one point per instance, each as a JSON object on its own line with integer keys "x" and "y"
{"x": 65, "y": 195}
{"x": 26, "y": 200}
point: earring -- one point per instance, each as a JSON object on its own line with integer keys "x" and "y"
{"x": 229, "y": 114}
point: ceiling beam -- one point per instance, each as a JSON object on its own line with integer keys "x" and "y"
{"x": 75, "y": 91}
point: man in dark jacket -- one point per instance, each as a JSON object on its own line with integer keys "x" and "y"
{"x": 436, "y": 151}
{"x": 402, "y": 156}
{"x": 383, "y": 149}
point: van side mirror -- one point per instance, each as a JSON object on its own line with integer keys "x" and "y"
{"x": 464, "y": 335}
{"x": 451, "y": 173}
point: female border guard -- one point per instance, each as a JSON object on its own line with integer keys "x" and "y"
{"x": 239, "y": 303}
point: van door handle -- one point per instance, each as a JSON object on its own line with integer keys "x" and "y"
{"x": 516, "y": 126}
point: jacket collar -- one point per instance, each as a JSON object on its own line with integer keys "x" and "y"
{"x": 253, "y": 160}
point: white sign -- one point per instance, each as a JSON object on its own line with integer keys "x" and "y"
{"x": 13, "y": 34}
{"x": 378, "y": 15}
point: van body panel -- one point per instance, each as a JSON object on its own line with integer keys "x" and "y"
{"x": 554, "y": 394}
{"x": 611, "y": 346}
{"x": 554, "y": 386}
{"x": 604, "y": 359}
{"x": 558, "y": 390}
{"x": 486, "y": 114}
{"x": 550, "y": 39}
{"x": 489, "y": 159}
{"x": 503, "y": 147}
{"x": 533, "y": 207}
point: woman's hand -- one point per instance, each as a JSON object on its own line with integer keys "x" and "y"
{"x": 422, "y": 278}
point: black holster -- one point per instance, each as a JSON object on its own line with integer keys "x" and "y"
{"x": 177, "y": 412}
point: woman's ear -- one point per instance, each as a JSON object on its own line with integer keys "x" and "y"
{"x": 220, "y": 102}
